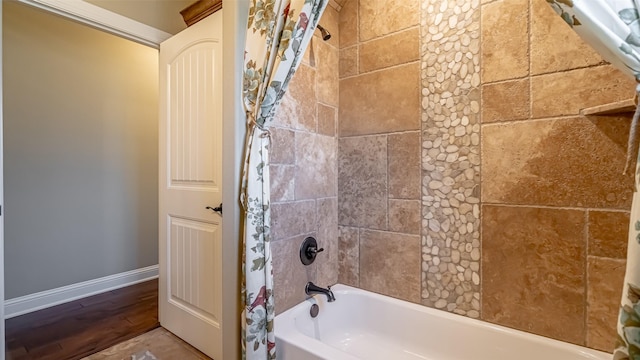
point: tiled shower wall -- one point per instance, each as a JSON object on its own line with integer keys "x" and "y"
{"x": 304, "y": 184}
{"x": 379, "y": 137}
{"x": 409, "y": 153}
{"x": 555, "y": 205}
{"x": 460, "y": 174}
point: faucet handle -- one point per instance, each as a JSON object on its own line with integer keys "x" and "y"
{"x": 309, "y": 250}
{"x": 314, "y": 250}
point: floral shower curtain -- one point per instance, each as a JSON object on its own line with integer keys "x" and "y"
{"x": 612, "y": 27}
{"x": 278, "y": 33}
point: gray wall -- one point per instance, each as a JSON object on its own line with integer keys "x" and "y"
{"x": 81, "y": 133}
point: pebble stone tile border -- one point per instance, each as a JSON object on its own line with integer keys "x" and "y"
{"x": 450, "y": 77}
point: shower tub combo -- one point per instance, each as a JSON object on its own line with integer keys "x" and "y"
{"x": 364, "y": 325}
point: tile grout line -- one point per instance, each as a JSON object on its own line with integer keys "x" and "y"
{"x": 381, "y": 230}
{"x": 586, "y": 275}
{"x": 531, "y": 76}
{"x": 388, "y": 35}
{"x": 536, "y": 206}
{"x": 359, "y": 254}
{"x": 576, "y": 117}
{"x": 606, "y": 258}
{"x": 528, "y": 77}
{"x": 315, "y": 89}
{"x": 411, "y": 62}
{"x": 401, "y": 132}
{"x": 387, "y": 187}
{"x": 357, "y": 21}
{"x": 590, "y": 66}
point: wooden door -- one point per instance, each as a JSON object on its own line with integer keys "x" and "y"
{"x": 190, "y": 181}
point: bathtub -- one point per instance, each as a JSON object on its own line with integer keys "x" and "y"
{"x": 365, "y": 325}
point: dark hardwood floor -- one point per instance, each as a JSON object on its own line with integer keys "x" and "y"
{"x": 82, "y": 327}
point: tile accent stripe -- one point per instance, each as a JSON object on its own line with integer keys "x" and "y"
{"x": 450, "y": 84}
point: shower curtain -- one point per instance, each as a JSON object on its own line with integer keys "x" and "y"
{"x": 278, "y": 33}
{"x": 612, "y": 27}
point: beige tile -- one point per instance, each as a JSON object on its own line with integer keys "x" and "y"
{"x": 533, "y": 263}
{"x": 506, "y": 101}
{"x": 308, "y": 57}
{"x": 282, "y": 182}
{"x": 608, "y": 234}
{"x": 574, "y": 162}
{"x": 316, "y": 166}
{"x": 310, "y": 54}
{"x": 566, "y": 93}
{"x": 348, "y": 61}
{"x": 292, "y": 218}
{"x": 160, "y": 342}
{"x": 334, "y": 4}
{"x": 327, "y": 120}
{"x": 404, "y": 165}
{"x": 289, "y": 275}
{"x": 343, "y": 2}
{"x": 404, "y": 216}
{"x": 327, "y": 62}
{"x": 505, "y": 39}
{"x": 349, "y": 256}
{"x": 348, "y": 20}
{"x": 362, "y": 182}
{"x": 396, "y": 49}
{"x": 605, "y": 278}
{"x": 390, "y": 264}
{"x": 298, "y": 107}
{"x": 382, "y": 17}
{"x": 555, "y": 46}
{"x": 282, "y": 145}
{"x": 330, "y": 21}
{"x": 380, "y": 102}
{"x": 327, "y": 261}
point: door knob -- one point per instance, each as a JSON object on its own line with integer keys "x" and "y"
{"x": 216, "y": 209}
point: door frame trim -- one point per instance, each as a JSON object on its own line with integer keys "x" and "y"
{"x": 97, "y": 17}
{"x": 2, "y": 323}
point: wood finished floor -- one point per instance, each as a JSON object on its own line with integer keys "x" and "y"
{"x": 160, "y": 342}
{"x": 83, "y": 327}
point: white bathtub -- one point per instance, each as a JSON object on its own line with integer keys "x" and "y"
{"x": 364, "y": 325}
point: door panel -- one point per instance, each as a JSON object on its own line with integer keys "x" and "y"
{"x": 192, "y": 244}
{"x": 190, "y": 180}
{"x": 195, "y": 158}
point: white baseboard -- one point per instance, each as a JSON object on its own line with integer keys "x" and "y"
{"x": 42, "y": 300}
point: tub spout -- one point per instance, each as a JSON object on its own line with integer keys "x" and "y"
{"x": 312, "y": 288}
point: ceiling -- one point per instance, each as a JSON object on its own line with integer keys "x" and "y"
{"x": 160, "y": 14}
